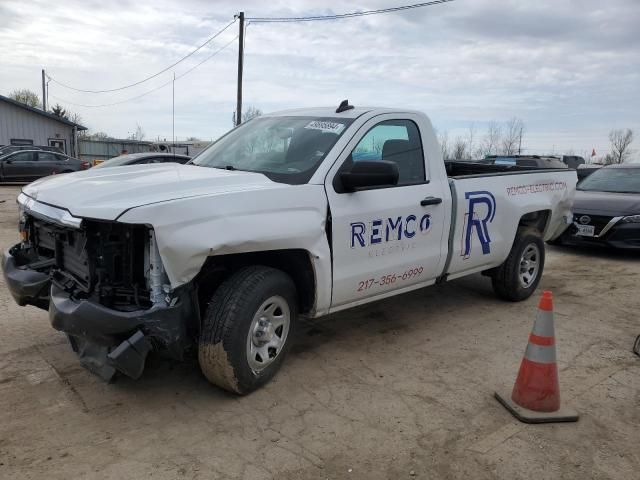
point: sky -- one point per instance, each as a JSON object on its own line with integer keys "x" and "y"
{"x": 569, "y": 69}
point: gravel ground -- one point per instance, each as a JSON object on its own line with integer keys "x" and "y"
{"x": 402, "y": 388}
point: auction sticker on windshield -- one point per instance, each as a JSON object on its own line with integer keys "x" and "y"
{"x": 333, "y": 127}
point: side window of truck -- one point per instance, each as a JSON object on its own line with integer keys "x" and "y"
{"x": 397, "y": 141}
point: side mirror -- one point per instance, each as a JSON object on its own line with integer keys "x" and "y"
{"x": 8, "y": 162}
{"x": 365, "y": 173}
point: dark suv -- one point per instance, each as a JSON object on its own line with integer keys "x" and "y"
{"x": 29, "y": 165}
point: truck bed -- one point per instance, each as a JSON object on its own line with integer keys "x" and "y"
{"x": 464, "y": 169}
{"x": 489, "y": 204}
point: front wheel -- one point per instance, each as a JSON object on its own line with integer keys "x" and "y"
{"x": 247, "y": 329}
{"x": 517, "y": 278}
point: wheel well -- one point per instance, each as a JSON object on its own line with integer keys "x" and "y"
{"x": 537, "y": 220}
{"x": 294, "y": 262}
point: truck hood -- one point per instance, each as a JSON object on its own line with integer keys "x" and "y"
{"x": 606, "y": 203}
{"x": 105, "y": 193}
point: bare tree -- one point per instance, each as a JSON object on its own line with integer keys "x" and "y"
{"x": 471, "y": 132}
{"x": 512, "y": 139}
{"x": 138, "y": 134}
{"x": 74, "y": 117}
{"x": 492, "y": 140}
{"x": 443, "y": 138}
{"x": 26, "y": 96}
{"x": 620, "y": 142}
{"x": 249, "y": 113}
{"x": 459, "y": 151}
{"x": 99, "y": 136}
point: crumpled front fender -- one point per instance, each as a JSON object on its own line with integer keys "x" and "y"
{"x": 190, "y": 230}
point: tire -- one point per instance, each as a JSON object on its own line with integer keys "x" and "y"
{"x": 509, "y": 278}
{"x": 227, "y": 350}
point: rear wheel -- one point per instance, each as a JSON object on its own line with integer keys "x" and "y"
{"x": 247, "y": 329}
{"x": 517, "y": 278}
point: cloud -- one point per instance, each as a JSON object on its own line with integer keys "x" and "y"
{"x": 570, "y": 69}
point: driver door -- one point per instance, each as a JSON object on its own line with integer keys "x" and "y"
{"x": 18, "y": 167}
{"x": 386, "y": 238}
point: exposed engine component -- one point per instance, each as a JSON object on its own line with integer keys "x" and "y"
{"x": 156, "y": 276}
{"x": 102, "y": 261}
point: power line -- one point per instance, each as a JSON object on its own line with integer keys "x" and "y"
{"x": 150, "y": 77}
{"x": 344, "y": 15}
{"x": 154, "y": 89}
{"x": 114, "y": 103}
{"x": 226, "y": 45}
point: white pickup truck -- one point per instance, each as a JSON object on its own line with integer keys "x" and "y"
{"x": 298, "y": 213}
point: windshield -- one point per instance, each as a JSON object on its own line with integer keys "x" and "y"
{"x": 615, "y": 180}
{"x": 285, "y": 149}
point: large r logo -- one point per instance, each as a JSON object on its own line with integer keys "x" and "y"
{"x": 481, "y": 209}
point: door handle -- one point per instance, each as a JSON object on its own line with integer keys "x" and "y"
{"x": 430, "y": 201}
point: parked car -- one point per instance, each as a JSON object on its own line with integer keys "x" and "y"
{"x": 587, "y": 169}
{"x": 536, "y": 161}
{"x": 607, "y": 209}
{"x": 225, "y": 253}
{"x": 29, "y": 165}
{"x": 140, "y": 158}
{"x": 14, "y": 148}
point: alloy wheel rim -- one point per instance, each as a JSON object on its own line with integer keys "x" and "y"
{"x": 529, "y": 265}
{"x": 268, "y": 333}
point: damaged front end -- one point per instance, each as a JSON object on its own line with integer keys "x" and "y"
{"x": 104, "y": 286}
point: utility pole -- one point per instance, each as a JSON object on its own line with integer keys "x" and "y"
{"x": 44, "y": 92}
{"x": 173, "y": 112}
{"x": 240, "y": 16}
{"x": 520, "y": 141}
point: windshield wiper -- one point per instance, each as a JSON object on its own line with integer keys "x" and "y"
{"x": 227, "y": 167}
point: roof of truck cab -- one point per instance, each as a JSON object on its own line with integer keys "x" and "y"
{"x": 331, "y": 112}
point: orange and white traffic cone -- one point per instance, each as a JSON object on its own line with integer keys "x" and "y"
{"x": 536, "y": 394}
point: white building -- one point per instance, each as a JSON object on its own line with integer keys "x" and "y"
{"x": 21, "y": 124}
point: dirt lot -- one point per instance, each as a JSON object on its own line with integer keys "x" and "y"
{"x": 399, "y": 389}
